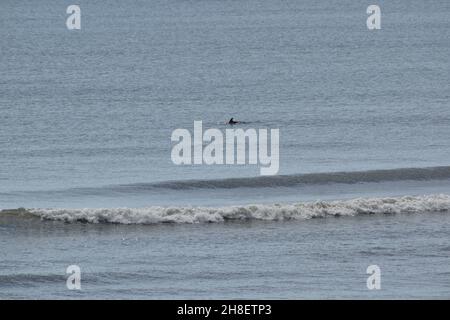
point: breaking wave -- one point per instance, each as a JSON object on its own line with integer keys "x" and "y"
{"x": 273, "y": 212}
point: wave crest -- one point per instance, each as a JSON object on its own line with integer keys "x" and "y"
{"x": 371, "y": 176}
{"x": 270, "y": 212}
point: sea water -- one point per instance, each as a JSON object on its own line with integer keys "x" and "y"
{"x": 86, "y": 176}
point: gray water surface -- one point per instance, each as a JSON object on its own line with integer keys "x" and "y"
{"x": 86, "y": 118}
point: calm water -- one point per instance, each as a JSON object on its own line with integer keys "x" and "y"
{"x": 85, "y": 123}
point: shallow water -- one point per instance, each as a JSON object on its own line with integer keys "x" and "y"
{"x": 322, "y": 258}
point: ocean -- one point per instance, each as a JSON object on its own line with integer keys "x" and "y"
{"x": 87, "y": 179}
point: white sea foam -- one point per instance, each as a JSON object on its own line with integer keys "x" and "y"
{"x": 274, "y": 212}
